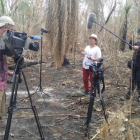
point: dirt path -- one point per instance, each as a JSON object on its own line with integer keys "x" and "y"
{"x": 59, "y": 114}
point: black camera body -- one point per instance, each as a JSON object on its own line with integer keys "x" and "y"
{"x": 17, "y": 41}
{"x": 96, "y": 69}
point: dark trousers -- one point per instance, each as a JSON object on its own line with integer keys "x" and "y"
{"x": 87, "y": 76}
{"x": 135, "y": 80}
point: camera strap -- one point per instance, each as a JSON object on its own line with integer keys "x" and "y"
{"x": 26, "y": 47}
{"x": 9, "y": 46}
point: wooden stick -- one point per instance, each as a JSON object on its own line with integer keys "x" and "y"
{"x": 32, "y": 134}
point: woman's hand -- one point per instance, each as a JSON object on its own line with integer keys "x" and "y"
{"x": 89, "y": 57}
{"x": 81, "y": 50}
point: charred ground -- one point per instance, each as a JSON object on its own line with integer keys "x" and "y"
{"x": 63, "y": 114}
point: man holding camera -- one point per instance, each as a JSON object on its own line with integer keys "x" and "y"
{"x": 6, "y": 23}
{"x": 135, "y": 68}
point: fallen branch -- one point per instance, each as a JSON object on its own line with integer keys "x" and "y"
{"x": 32, "y": 134}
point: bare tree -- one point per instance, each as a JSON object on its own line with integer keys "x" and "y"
{"x": 109, "y": 15}
{"x": 124, "y": 27}
{"x": 62, "y": 21}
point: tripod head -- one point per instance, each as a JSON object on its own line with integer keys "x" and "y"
{"x": 97, "y": 69}
{"x": 98, "y": 73}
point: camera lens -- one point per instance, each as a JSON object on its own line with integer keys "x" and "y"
{"x": 34, "y": 46}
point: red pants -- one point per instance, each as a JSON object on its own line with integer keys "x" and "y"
{"x": 87, "y": 75}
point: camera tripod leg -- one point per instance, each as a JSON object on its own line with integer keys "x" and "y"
{"x": 34, "y": 110}
{"x": 11, "y": 107}
{"x": 102, "y": 102}
{"x": 89, "y": 114}
{"x": 104, "y": 110}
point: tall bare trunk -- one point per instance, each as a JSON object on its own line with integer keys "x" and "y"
{"x": 62, "y": 21}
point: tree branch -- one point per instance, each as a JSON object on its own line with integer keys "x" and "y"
{"x": 110, "y": 14}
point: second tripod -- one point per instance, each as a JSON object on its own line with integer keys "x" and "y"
{"x": 12, "y": 106}
{"x": 40, "y": 80}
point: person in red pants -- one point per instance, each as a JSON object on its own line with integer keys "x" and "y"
{"x": 91, "y": 54}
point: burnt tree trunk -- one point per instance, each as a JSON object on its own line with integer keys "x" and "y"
{"x": 124, "y": 27}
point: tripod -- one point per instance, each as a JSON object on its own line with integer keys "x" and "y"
{"x": 40, "y": 86}
{"x": 98, "y": 78}
{"x": 12, "y": 106}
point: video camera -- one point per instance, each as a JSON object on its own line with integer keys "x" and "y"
{"x": 96, "y": 69}
{"x": 17, "y": 44}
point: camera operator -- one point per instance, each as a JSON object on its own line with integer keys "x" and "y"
{"x": 136, "y": 67}
{"x": 91, "y": 54}
{"x": 6, "y": 23}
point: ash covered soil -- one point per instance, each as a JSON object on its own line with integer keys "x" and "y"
{"x": 61, "y": 107}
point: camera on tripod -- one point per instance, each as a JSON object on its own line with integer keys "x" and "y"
{"x": 18, "y": 44}
{"x": 96, "y": 69}
{"x": 98, "y": 86}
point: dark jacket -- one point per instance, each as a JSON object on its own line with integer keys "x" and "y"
{"x": 136, "y": 55}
